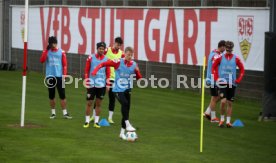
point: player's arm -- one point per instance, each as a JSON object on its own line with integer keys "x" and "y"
{"x": 138, "y": 73}
{"x": 123, "y": 55}
{"x": 108, "y": 73}
{"x": 215, "y": 65}
{"x": 109, "y": 63}
{"x": 241, "y": 67}
{"x": 43, "y": 56}
{"x": 87, "y": 67}
{"x": 87, "y": 70}
{"x": 64, "y": 63}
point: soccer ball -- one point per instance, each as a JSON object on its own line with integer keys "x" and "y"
{"x": 131, "y": 136}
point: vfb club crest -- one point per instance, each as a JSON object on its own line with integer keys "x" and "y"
{"x": 245, "y": 34}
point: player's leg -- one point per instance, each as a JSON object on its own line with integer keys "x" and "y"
{"x": 128, "y": 98}
{"x": 90, "y": 95}
{"x": 121, "y": 98}
{"x": 223, "y": 101}
{"x": 111, "y": 105}
{"x": 207, "y": 113}
{"x": 61, "y": 92}
{"x": 229, "y": 114}
{"x": 125, "y": 101}
{"x": 97, "y": 113}
{"x": 212, "y": 104}
{"x": 100, "y": 92}
{"x": 230, "y": 100}
{"x": 51, "y": 93}
{"x": 92, "y": 118}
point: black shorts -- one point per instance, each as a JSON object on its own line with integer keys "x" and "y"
{"x": 214, "y": 90}
{"x": 228, "y": 92}
{"x": 98, "y": 92}
{"x": 52, "y": 84}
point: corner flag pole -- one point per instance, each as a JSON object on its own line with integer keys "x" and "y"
{"x": 24, "y": 73}
{"x": 202, "y": 104}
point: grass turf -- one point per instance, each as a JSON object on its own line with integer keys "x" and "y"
{"x": 167, "y": 122}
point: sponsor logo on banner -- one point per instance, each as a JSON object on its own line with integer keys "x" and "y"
{"x": 245, "y": 34}
{"x": 22, "y": 24}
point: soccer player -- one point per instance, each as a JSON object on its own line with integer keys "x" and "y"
{"x": 112, "y": 53}
{"x": 227, "y": 81}
{"x": 96, "y": 83}
{"x": 124, "y": 68}
{"x": 56, "y": 68}
{"x": 210, "y": 112}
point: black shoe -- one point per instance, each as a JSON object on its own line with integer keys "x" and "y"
{"x": 53, "y": 116}
{"x": 67, "y": 116}
{"x": 207, "y": 116}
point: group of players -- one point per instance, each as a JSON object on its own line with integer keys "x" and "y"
{"x": 221, "y": 77}
{"x": 108, "y": 70}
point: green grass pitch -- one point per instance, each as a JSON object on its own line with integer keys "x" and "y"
{"x": 167, "y": 122}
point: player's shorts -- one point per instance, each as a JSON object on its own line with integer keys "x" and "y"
{"x": 227, "y": 92}
{"x": 98, "y": 92}
{"x": 214, "y": 90}
{"x": 53, "y": 83}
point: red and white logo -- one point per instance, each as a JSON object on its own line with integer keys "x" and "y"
{"x": 245, "y": 34}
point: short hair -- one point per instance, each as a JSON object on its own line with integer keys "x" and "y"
{"x": 119, "y": 40}
{"x": 129, "y": 49}
{"x": 229, "y": 44}
{"x": 221, "y": 43}
{"x": 52, "y": 40}
{"x": 101, "y": 44}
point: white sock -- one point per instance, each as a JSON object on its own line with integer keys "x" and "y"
{"x": 97, "y": 119}
{"x": 53, "y": 111}
{"x": 208, "y": 110}
{"x": 127, "y": 123}
{"x": 221, "y": 117}
{"x": 213, "y": 114}
{"x": 228, "y": 119}
{"x": 110, "y": 114}
{"x": 87, "y": 119}
{"x": 94, "y": 113}
{"x": 122, "y": 131}
{"x": 64, "y": 111}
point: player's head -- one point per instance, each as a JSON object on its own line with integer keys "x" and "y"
{"x": 128, "y": 53}
{"x": 52, "y": 41}
{"x": 118, "y": 43}
{"x": 221, "y": 46}
{"x": 101, "y": 47}
{"x": 229, "y": 45}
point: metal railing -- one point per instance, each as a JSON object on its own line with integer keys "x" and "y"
{"x": 229, "y": 3}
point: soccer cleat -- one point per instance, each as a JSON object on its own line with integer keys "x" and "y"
{"x": 130, "y": 128}
{"x": 229, "y": 125}
{"x": 122, "y": 136}
{"x": 96, "y": 125}
{"x": 91, "y": 119}
{"x": 215, "y": 120}
{"x": 67, "y": 116}
{"x": 207, "y": 116}
{"x": 53, "y": 116}
{"x": 221, "y": 124}
{"x": 110, "y": 121}
{"x": 86, "y": 125}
